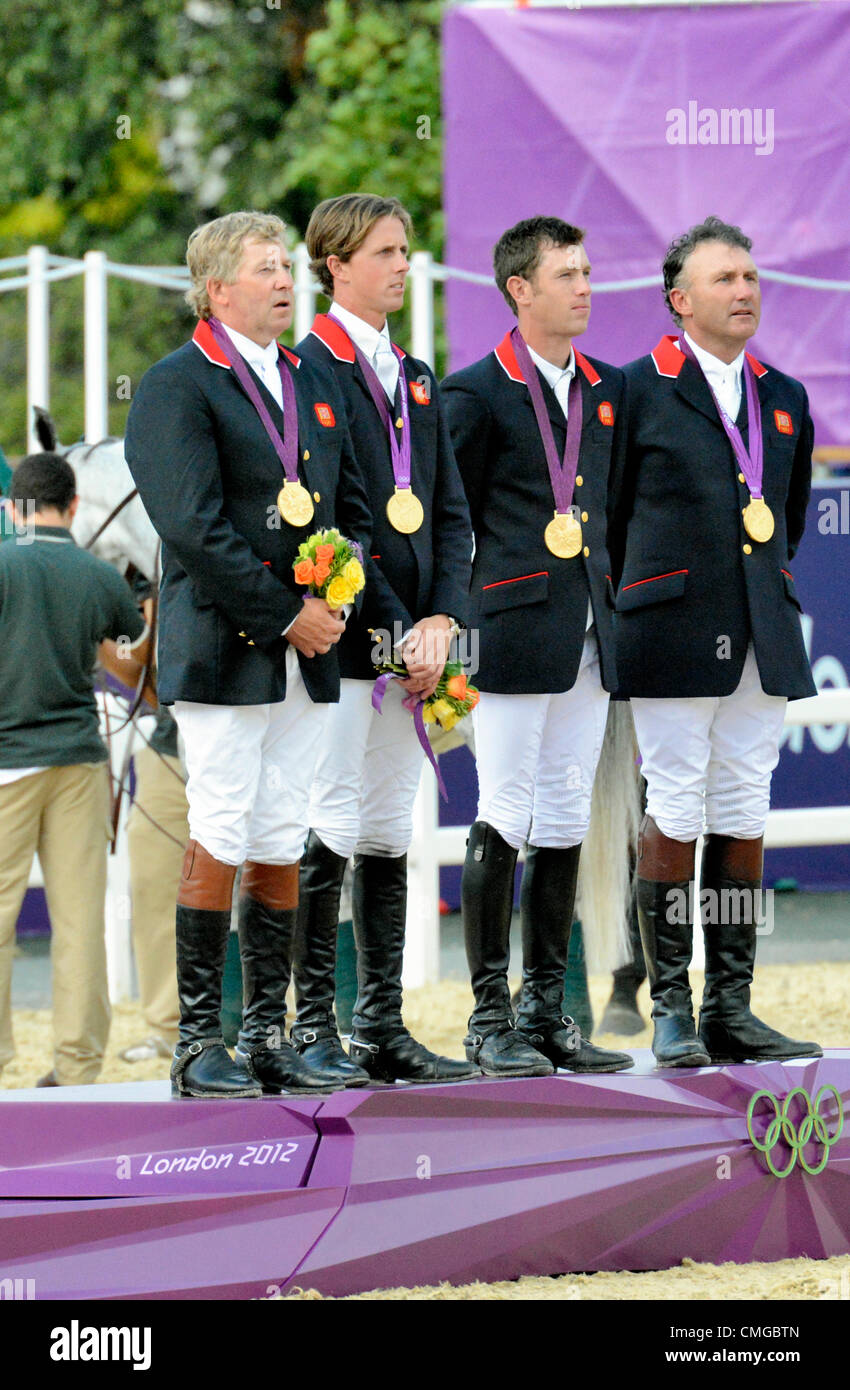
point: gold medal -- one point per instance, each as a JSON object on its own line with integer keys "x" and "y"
{"x": 404, "y": 511}
{"x": 295, "y": 503}
{"x": 563, "y": 535}
{"x": 758, "y": 519}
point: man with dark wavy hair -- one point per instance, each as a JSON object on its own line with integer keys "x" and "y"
{"x": 708, "y": 516}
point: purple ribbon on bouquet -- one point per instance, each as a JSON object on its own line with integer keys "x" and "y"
{"x": 415, "y": 705}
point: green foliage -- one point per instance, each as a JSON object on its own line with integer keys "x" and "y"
{"x": 123, "y": 125}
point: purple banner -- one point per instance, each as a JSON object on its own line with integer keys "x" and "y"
{"x": 635, "y": 124}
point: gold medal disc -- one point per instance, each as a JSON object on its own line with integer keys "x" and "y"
{"x": 295, "y": 504}
{"x": 404, "y": 511}
{"x": 758, "y": 519}
{"x": 563, "y": 535}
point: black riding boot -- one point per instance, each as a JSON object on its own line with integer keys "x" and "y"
{"x": 267, "y": 912}
{"x": 487, "y": 895}
{"x": 314, "y": 1032}
{"x": 380, "y": 1043}
{"x": 728, "y": 1029}
{"x": 547, "y": 898}
{"x": 202, "y": 1065}
{"x": 667, "y": 947}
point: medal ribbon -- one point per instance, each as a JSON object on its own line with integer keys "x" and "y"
{"x": 415, "y": 705}
{"x": 400, "y": 453}
{"x": 751, "y": 463}
{"x": 562, "y": 473}
{"x": 287, "y": 447}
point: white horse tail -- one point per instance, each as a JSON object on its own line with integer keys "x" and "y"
{"x": 604, "y": 881}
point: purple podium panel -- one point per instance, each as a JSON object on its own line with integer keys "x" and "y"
{"x": 118, "y": 1191}
{"x": 635, "y": 1170}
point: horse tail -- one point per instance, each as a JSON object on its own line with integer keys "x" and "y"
{"x": 45, "y": 430}
{"x": 604, "y": 882}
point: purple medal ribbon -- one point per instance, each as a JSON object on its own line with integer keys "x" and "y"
{"x": 414, "y": 704}
{"x": 750, "y": 462}
{"x": 562, "y": 473}
{"x": 287, "y": 447}
{"x": 400, "y": 454}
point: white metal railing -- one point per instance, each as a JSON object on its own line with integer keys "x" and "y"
{"x": 41, "y": 268}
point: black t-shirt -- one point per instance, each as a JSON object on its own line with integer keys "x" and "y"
{"x": 57, "y": 603}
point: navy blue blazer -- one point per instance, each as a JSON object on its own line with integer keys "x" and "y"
{"x": 209, "y": 476}
{"x": 408, "y": 576}
{"x": 530, "y": 606}
{"x": 693, "y": 589}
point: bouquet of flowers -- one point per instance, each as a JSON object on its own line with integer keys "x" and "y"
{"x": 453, "y": 698}
{"x": 331, "y": 567}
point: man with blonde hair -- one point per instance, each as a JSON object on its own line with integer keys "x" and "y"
{"x": 416, "y": 596}
{"x": 240, "y": 451}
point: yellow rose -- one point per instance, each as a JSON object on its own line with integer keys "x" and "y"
{"x": 448, "y": 721}
{"x": 353, "y": 573}
{"x": 441, "y": 710}
{"x": 338, "y": 592}
{"x": 428, "y": 715}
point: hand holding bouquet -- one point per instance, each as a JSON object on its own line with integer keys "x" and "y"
{"x": 331, "y": 568}
{"x": 453, "y": 698}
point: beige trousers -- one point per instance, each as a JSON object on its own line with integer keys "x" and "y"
{"x": 62, "y": 814}
{"x": 155, "y": 865}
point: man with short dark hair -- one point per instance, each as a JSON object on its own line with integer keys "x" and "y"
{"x": 416, "y": 596}
{"x": 708, "y": 516}
{"x": 537, "y": 429}
{"x": 58, "y": 606}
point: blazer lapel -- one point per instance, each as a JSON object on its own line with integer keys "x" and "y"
{"x": 692, "y": 385}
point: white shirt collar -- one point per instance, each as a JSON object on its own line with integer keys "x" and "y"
{"x": 715, "y": 366}
{"x": 255, "y": 355}
{"x": 363, "y": 334}
{"x": 551, "y": 372}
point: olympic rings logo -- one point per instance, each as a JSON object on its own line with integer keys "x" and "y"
{"x": 812, "y": 1129}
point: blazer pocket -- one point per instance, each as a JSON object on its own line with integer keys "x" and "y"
{"x": 515, "y": 593}
{"x": 656, "y": 589}
{"x": 790, "y": 591}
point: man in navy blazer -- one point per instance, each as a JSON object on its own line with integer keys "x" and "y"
{"x": 247, "y": 661}
{"x": 546, "y": 644}
{"x": 708, "y": 638}
{"x": 415, "y": 600}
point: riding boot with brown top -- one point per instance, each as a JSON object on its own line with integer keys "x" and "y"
{"x": 664, "y": 903}
{"x": 202, "y": 1065}
{"x": 268, "y": 908}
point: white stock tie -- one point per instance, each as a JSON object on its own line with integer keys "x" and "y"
{"x": 385, "y": 363}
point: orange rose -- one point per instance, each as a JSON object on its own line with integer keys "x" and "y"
{"x": 456, "y": 687}
{"x": 321, "y": 571}
{"x": 304, "y": 572}
{"x": 472, "y": 697}
{"x": 325, "y": 552}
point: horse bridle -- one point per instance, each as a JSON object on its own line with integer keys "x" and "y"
{"x": 116, "y": 796}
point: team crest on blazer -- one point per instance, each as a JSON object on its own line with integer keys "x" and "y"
{"x": 324, "y": 415}
{"x": 419, "y": 392}
{"x": 605, "y": 411}
{"x": 783, "y": 422}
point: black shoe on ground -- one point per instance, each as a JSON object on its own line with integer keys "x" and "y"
{"x": 504, "y": 1051}
{"x": 562, "y": 1043}
{"x": 402, "y": 1058}
{"x": 323, "y": 1051}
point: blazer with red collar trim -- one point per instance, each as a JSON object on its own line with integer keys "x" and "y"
{"x": 530, "y": 606}
{"x": 209, "y": 476}
{"x": 408, "y": 576}
{"x": 693, "y": 589}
